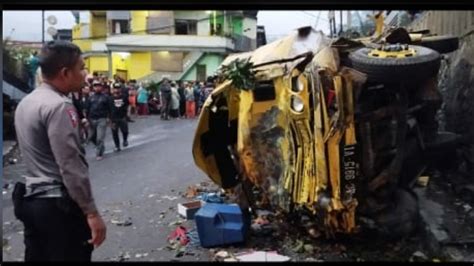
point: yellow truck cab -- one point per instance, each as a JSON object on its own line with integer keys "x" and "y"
{"x": 322, "y": 126}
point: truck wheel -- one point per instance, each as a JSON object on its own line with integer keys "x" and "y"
{"x": 441, "y": 44}
{"x": 422, "y": 64}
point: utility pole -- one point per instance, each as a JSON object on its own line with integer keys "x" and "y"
{"x": 349, "y": 20}
{"x": 42, "y": 25}
{"x": 340, "y": 28}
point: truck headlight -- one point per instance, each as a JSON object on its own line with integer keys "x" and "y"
{"x": 297, "y": 103}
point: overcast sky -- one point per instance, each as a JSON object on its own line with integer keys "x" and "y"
{"x": 26, "y": 25}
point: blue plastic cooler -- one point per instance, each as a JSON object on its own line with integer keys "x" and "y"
{"x": 220, "y": 224}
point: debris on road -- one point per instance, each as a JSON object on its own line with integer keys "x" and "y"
{"x": 169, "y": 197}
{"x": 192, "y": 192}
{"x": 211, "y": 198}
{"x": 222, "y": 254}
{"x": 125, "y": 222}
{"x": 179, "y": 234}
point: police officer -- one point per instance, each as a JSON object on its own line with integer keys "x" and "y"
{"x": 98, "y": 110}
{"x": 58, "y": 211}
{"x": 119, "y": 116}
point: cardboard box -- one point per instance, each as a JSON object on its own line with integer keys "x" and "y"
{"x": 188, "y": 209}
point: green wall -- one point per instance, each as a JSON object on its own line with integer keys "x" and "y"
{"x": 212, "y": 62}
{"x": 237, "y": 25}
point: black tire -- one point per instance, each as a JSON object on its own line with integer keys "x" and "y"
{"x": 402, "y": 219}
{"x": 423, "y": 65}
{"x": 441, "y": 44}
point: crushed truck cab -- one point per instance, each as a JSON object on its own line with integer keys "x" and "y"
{"x": 301, "y": 136}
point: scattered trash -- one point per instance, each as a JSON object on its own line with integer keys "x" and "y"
{"x": 222, "y": 254}
{"x": 126, "y": 222}
{"x": 4, "y": 192}
{"x": 193, "y": 237}
{"x": 177, "y": 222}
{"x": 231, "y": 260}
{"x": 179, "y": 234}
{"x": 169, "y": 197}
{"x": 204, "y": 184}
{"x": 422, "y": 181}
{"x": 436, "y": 260}
{"x": 211, "y": 198}
{"x": 12, "y": 161}
{"x": 192, "y": 192}
{"x": 151, "y": 196}
{"x": 262, "y": 256}
{"x": 188, "y": 209}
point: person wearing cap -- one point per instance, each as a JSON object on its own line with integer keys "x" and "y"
{"x": 56, "y": 205}
{"x": 98, "y": 110}
{"x": 119, "y": 116}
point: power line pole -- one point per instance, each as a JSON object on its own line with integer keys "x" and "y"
{"x": 42, "y": 25}
{"x": 340, "y": 28}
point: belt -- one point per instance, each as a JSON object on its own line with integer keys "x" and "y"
{"x": 44, "y": 187}
{"x": 47, "y": 192}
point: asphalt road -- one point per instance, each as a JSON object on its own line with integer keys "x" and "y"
{"x": 138, "y": 184}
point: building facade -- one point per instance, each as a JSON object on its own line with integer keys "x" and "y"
{"x": 152, "y": 45}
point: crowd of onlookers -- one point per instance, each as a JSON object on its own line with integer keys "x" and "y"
{"x": 103, "y": 102}
{"x": 172, "y": 100}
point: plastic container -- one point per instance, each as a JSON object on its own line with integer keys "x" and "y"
{"x": 220, "y": 224}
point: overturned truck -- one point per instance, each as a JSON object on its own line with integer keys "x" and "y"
{"x": 337, "y": 129}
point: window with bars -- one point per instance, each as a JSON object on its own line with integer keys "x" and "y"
{"x": 119, "y": 26}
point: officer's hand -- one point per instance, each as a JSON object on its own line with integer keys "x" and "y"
{"x": 98, "y": 229}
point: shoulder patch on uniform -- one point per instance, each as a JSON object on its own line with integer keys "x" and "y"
{"x": 73, "y": 116}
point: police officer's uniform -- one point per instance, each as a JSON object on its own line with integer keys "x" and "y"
{"x": 58, "y": 192}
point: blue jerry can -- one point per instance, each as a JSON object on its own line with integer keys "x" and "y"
{"x": 220, "y": 224}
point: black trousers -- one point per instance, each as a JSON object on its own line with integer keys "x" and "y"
{"x": 123, "y": 126}
{"x": 55, "y": 230}
{"x": 182, "y": 108}
{"x": 166, "y": 106}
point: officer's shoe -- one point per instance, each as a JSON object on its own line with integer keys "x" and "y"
{"x": 125, "y": 143}
{"x": 117, "y": 149}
